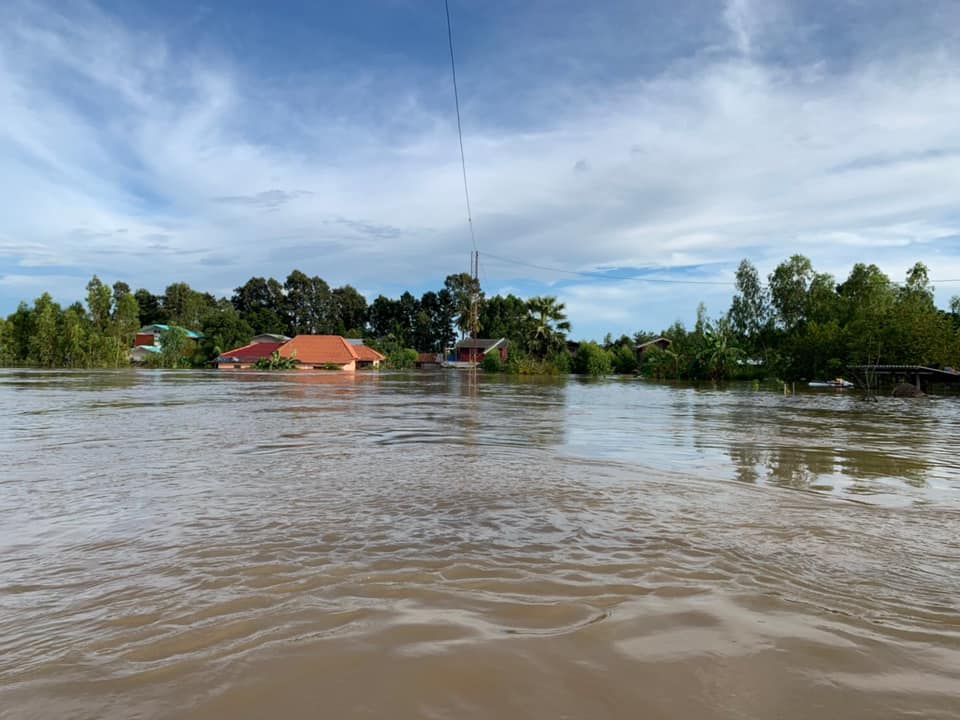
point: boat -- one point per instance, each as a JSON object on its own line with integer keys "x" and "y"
{"x": 837, "y": 384}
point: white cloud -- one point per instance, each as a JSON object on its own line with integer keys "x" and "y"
{"x": 124, "y": 158}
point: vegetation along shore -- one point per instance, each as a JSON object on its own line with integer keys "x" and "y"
{"x": 799, "y": 324}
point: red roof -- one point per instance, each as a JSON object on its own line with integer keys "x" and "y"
{"x": 320, "y": 350}
{"x": 249, "y": 353}
{"x": 367, "y": 354}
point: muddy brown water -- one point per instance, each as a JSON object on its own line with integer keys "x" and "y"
{"x": 202, "y": 545}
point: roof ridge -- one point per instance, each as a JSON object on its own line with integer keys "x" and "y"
{"x": 354, "y": 353}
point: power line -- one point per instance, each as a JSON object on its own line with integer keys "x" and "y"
{"x": 456, "y": 100}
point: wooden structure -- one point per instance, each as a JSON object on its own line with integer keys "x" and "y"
{"x": 660, "y": 343}
{"x": 471, "y": 351}
{"x": 919, "y": 375}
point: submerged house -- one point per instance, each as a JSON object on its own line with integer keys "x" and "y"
{"x": 660, "y": 343}
{"x": 474, "y": 350}
{"x": 152, "y": 334}
{"x": 328, "y": 352}
{"x": 269, "y": 338}
{"x": 311, "y": 352}
{"x": 149, "y": 341}
{"x": 246, "y": 357}
{"x": 428, "y": 360}
{"x": 368, "y": 357}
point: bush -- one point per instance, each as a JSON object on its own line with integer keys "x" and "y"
{"x": 559, "y": 361}
{"x": 624, "y": 359}
{"x": 402, "y": 359}
{"x": 275, "y": 362}
{"x": 520, "y": 363}
{"x": 591, "y": 359}
{"x": 491, "y": 363}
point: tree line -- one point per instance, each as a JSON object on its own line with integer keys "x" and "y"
{"x": 100, "y": 333}
{"x": 804, "y": 324}
{"x": 799, "y": 324}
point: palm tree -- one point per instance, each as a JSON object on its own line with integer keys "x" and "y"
{"x": 548, "y": 326}
{"x": 717, "y": 354}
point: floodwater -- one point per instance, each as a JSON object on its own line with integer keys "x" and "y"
{"x": 202, "y": 545}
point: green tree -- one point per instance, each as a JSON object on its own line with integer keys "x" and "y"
{"x": 867, "y": 299}
{"x": 823, "y": 302}
{"x": 173, "y": 347}
{"x": 350, "y": 309}
{"x": 464, "y": 291}
{"x": 222, "y": 330}
{"x": 75, "y": 337}
{"x": 126, "y": 318}
{"x": 384, "y": 316}
{"x": 308, "y": 305}
{"x": 751, "y": 315}
{"x": 260, "y": 303}
{"x": 624, "y": 358}
{"x": 718, "y": 354}
{"x": 185, "y": 306}
{"x": 548, "y": 326}
{"x": 6, "y": 348}
{"x": 151, "y": 311}
{"x": 100, "y": 303}
{"x": 507, "y": 317}
{"x": 18, "y": 333}
{"x": 45, "y": 342}
{"x": 789, "y": 283}
{"x": 591, "y": 359}
{"x": 661, "y": 364}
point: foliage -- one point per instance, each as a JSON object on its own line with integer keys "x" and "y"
{"x": 507, "y": 317}
{"x": 491, "y": 363}
{"x": 547, "y": 326}
{"x": 48, "y": 335}
{"x": 222, "y": 330}
{"x": 350, "y": 310}
{"x": 591, "y": 359}
{"x": 661, "y": 364}
{"x": 813, "y": 328}
{"x": 751, "y": 314}
{"x": 717, "y": 353}
{"x": 175, "y": 348}
{"x": 276, "y": 362}
{"x": 624, "y": 358}
{"x": 803, "y": 324}
{"x": 402, "y": 359}
{"x": 464, "y": 290}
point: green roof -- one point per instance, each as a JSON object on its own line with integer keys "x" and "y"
{"x": 165, "y": 328}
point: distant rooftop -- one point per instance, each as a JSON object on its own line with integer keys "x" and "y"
{"x": 166, "y": 328}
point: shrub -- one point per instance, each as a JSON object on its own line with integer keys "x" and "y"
{"x": 402, "y": 358}
{"x": 491, "y": 363}
{"x": 624, "y": 359}
{"x": 591, "y": 359}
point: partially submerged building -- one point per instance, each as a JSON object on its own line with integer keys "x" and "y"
{"x": 309, "y": 352}
{"x": 246, "y": 357}
{"x": 148, "y": 341}
{"x": 476, "y": 349}
{"x": 660, "y": 343}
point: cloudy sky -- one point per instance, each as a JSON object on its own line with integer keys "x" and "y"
{"x": 631, "y": 142}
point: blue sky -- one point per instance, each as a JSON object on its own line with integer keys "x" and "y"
{"x": 157, "y": 142}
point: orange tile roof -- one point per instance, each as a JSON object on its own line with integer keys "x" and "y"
{"x": 368, "y": 353}
{"x": 319, "y": 350}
